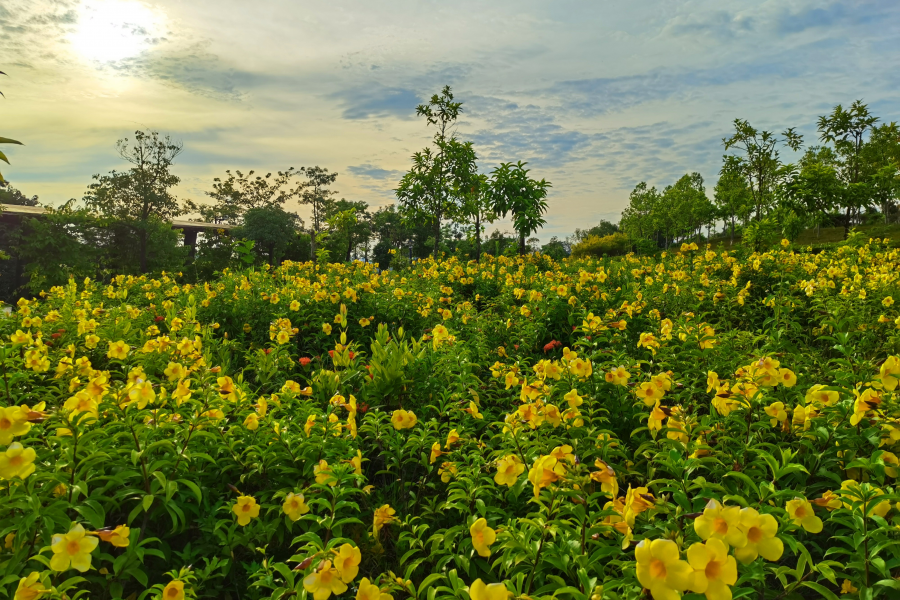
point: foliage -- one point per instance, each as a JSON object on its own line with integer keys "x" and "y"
{"x": 459, "y": 430}
{"x": 239, "y": 193}
{"x": 142, "y": 194}
{"x": 614, "y": 244}
{"x": 525, "y": 199}
{"x": 4, "y": 140}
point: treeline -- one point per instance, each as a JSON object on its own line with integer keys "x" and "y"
{"x": 850, "y": 176}
{"x": 123, "y": 222}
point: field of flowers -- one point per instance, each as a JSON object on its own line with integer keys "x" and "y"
{"x": 695, "y": 424}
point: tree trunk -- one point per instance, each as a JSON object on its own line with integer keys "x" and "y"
{"x": 349, "y": 247}
{"x": 522, "y": 244}
{"x": 143, "y": 247}
{"x": 478, "y": 236}
{"x": 437, "y": 234}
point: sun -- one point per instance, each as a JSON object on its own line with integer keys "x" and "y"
{"x": 113, "y": 30}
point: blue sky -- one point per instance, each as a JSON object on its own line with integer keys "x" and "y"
{"x": 595, "y": 95}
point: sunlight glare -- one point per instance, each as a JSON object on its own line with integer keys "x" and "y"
{"x": 113, "y": 30}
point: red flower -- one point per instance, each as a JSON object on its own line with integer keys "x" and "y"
{"x": 552, "y": 346}
{"x": 159, "y": 318}
{"x": 362, "y": 407}
{"x": 268, "y": 351}
{"x": 516, "y": 346}
{"x": 56, "y": 336}
{"x": 304, "y": 361}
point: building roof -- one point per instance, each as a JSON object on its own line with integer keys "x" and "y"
{"x": 35, "y": 211}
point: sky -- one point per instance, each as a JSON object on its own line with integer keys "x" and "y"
{"x": 596, "y": 95}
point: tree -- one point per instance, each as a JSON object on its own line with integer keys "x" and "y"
{"x": 348, "y": 225}
{"x": 732, "y": 196}
{"x": 881, "y": 165}
{"x": 435, "y": 185}
{"x": 477, "y": 208}
{"x": 238, "y": 193}
{"x": 759, "y": 162}
{"x": 271, "y": 228}
{"x": 601, "y": 229}
{"x": 685, "y": 206}
{"x": 815, "y": 189}
{"x": 639, "y": 219}
{"x": 4, "y": 140}
{"x": 144, "y": 192}
{"x": 514, "y": 192}
{"x": 315, "y": 192}
{"x": 845, "y": 130}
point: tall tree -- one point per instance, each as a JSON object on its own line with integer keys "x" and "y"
{"x": 639, "y": 217}
{"x": 433, "y": 187}
{"x": 514, "y": 192}
{"x": 143, "y": 192}
{"x": 815, "y": 188}
{"x": 315, "y": 192}
{"x": 732, "y": 196}
{"x": 758, "y": 160}
{"x": 881, "y": 158}
{"x": 846, "y": 129}
{"x": 477, "y": 208}
{"x": 238, "y": 193}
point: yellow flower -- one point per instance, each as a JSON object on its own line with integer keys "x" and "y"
{"x": 246, "y": 509}
{"x": 447, "y": 471}
{"x": 482, "y": 537}
{"x": 72, "y": 550}
{"x": 175, "y": 371}
{"x": 356, "y": 461}
{"x": 508, "y": 470}
{"x": 722, "y": 522}
{"x": 324, "y": 474}
{"x": 13, "y": 423}
{"x": 403, "y": 419}
{"x": 473, "y": 410}
{"x": 118, "y": 350}
{"x": 16, "y": 461}
{"x": 546, "y": 470}
{"x": 581, "y": 368}
{"x": 30, "y": 588}
{"x": 777, "y": 412}
{"x": 787, "y": 378}
{"x": 714, "y": 570}
{"x": 294, "y": 506}
{"x": 370, "y": 591}
{"x": 174, "y": 590}
{"x": 452, "y": 438}
{"x": 383, "y": 515}
{"x": 801, "y": 513}
{"x": 661, "y": 570}
{"x": 252, "y": 422}
{"x": 606, "y": 477}
{"x": 618, "y": 376}
{"x": 847, "y": 587}
{"x": 347, "y": 562}
{"x": 761, "y": 540}
{"x": 324, "y": 582}
{"x": 889, "y": 373}
{"x": 118, "y": 537}
{"x": 435, "y": 452}
{"x": 818, "y": 395}
{"x": 573, "y": 399}
{"x": 479, "y": 590}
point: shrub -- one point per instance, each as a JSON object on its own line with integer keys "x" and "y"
{"x": 615, "y": 244}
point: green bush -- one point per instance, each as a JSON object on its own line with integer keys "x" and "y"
{"x": 616, "y": 244}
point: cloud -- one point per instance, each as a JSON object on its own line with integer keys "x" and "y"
{"x": 368, "y": 171}
{"x": 377, "y": 101}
